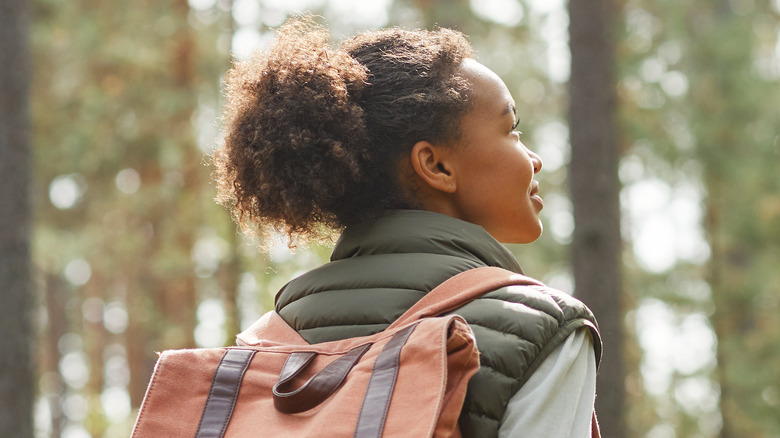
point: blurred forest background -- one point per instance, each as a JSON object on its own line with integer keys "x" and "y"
{"x": 129, "y": 255}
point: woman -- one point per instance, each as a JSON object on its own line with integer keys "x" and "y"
{"x": 406, "y": 144}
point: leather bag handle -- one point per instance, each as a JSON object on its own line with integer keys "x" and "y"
{"x": 319, "y": 387}
{"x": 461, "y": 289}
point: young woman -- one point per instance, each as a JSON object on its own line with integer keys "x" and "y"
{"x": 408, "y": 146}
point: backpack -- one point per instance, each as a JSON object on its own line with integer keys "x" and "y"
{"x": 408, "y": 380}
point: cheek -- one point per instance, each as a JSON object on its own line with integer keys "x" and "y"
{"x": 520, "y": 167}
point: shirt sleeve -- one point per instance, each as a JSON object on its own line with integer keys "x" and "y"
{"x": 557, "y": 400}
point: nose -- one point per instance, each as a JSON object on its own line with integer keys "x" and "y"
{"x": 536, "y": 159}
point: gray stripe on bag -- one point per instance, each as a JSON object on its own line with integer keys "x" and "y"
{"x": 223, "y": 393}
{"x": 371, "y": 421}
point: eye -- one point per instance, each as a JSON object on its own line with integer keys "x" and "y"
{"x": 515, "y": 125}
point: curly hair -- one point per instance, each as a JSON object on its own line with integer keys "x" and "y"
{"x": 314, "y": 135}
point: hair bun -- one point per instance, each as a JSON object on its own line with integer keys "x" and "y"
{"x": 290, "y": 123}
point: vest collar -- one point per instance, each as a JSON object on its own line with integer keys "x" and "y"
{"x": 419, "y": 231}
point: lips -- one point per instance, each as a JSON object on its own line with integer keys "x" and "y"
{"x": 535, "y": 194}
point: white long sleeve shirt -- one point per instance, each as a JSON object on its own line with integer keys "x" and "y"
{"x": 557, "y": 400}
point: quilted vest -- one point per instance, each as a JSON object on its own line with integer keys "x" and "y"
{"x": 381, "y": 268}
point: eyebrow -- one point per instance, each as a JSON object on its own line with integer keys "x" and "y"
{"x": 510, "y": 108}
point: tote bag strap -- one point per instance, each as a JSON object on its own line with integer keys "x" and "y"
{"x": 465, "y": 287}
{"x": 461, "y": 289}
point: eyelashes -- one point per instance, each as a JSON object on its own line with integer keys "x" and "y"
{"x": 515, "y": 125}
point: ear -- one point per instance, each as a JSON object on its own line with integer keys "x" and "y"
{"x": 431, "y": 165}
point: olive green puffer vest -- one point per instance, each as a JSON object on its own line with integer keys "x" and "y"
{"x": 378, "y": 270}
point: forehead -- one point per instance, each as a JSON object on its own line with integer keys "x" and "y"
{"x": 488, "y": 91}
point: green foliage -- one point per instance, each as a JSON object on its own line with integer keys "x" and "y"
{"x": 732, "y": 104}
{"x": 726, "y": 122}
{"x": 125, "y": 103}
{"x": 120, "y": 186}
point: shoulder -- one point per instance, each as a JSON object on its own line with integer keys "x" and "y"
{"x": 532, "y": 302}
{"x": 552, "y": 302}
{"x": 517, "y": 326}
{"x": 516, "y": 329}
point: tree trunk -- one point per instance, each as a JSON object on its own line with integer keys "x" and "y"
{"x": 52, "y": 386}
{"x": 17, "y": 340}
{"x": 595, "y": 190}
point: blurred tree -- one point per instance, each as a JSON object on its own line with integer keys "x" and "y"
{"x": 660, "y": 173}
{"x": 595, "y": 189}
{"x": 735, "y": 117}
{"x": 699, "y": 86}
{"x": 17, "y": 343}
{"x": 124, "y": 238}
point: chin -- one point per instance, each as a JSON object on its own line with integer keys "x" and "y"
{"x": 531, "y": 236}
{"x": 522, "y": 238}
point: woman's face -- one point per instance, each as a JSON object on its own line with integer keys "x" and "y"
{"x": 495, "y": 171}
